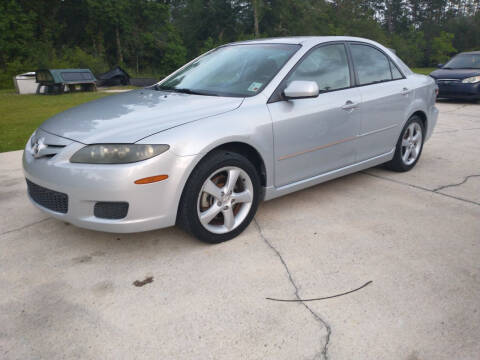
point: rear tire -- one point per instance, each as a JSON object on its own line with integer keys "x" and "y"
{"x": 220, "y": 197}
{"x": 409, "y": 146}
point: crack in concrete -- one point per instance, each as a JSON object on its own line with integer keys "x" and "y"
{"x": 457, "y": 184}
{"x": 421, "y": 188}
{"x": 24, "y": 227}
{"x": 324, "y": 352}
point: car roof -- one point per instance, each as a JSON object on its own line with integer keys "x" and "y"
{"x": 470, "y": 53}
{"x": 301, "y": 40}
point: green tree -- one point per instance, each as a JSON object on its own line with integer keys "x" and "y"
{"x": 16, "y": 32}
{"x": 157, "y": 36}
{"x": 442, "y": 48}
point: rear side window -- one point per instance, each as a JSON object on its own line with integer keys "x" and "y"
{"x": 371, "y": 65}
{"x": 327, "y": 66}
{"x": 396, "y": 74}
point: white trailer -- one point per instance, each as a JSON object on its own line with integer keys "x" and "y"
{"x": 25, "y": 83}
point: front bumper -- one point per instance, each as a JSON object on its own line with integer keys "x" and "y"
{"x": 151, "y": 206}
{"x": 458, "y": 90}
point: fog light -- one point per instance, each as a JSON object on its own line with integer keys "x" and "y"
{"x": 110, "y": 210}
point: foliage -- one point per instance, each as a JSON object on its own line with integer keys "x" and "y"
{"x": 442, "y": 47}
{"x": 157, "y": 36}
{"x": 424, "y": 71}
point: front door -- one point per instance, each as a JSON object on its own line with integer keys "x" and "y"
{"x": 316, "y": 135}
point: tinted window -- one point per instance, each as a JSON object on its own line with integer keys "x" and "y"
{"x": 76, "y": 76}
{"x": 396, "y": 74}
{"x": 371, "y": 65}
{"x": 327, "y": 65}
{"x": 44, "y": 76}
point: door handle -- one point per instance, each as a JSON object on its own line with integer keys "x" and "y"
{"x": 349, "y": 105}
{"x": 405, "y": 91}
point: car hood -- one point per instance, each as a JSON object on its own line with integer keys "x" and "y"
{"x": 454, "y": 73}
{"x": 134, "y": 115}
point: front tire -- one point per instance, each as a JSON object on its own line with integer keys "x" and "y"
{"x": 409, "y": 146}
{"x": 220, "y": 197}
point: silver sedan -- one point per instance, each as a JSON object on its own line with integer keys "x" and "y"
{"x": 245, "y": 122}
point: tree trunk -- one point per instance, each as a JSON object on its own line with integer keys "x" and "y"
{"x": 94, "y": 43}
{"x": 389, "y": 19}
{"x": 255, "y": 17}
{"x": 119, "y": 46}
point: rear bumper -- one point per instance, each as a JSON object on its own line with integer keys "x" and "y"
{"x": 432, "y": 122}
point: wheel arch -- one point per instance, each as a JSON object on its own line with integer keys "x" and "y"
{"x": 239, "y": 147}
{"x": 421, "y": 114}
{"x": 247, "y": 150}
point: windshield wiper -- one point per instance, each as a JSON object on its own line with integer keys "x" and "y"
{"x": 187, "y": 91}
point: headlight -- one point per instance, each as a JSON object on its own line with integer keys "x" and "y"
{"x": 471, "y": 80}
{"x": 117, "y": 153}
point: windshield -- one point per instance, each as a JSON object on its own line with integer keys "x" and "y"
{"x": 464, "y": 61}
{"x": 235, "y": 70}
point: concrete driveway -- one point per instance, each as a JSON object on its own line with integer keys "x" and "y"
{"x": 69, "y": 293}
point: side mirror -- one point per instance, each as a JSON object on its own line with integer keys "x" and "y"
{"x": 301, "y": 90}
{"x": 440, "y": 66}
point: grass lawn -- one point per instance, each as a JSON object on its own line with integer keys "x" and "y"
{"x": 424, "y": 71}
{"x": 20, "y": 115}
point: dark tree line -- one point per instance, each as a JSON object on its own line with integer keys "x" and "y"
{"x": 156, "y": 36}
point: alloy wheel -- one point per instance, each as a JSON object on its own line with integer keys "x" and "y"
{"x": 225, "y": 199}
{"x": 411, "y": 143}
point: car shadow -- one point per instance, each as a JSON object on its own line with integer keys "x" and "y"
{"x": 458, "y": 101}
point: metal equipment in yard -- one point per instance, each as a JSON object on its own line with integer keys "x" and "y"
{"x": 56, "y": 81}
{"x": 114, "y": 77}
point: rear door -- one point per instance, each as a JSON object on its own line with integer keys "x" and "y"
{"x": 316, "y": 135}
{"x": 385, "y": 99}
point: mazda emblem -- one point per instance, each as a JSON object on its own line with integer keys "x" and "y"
{"x": 37, "y": 147}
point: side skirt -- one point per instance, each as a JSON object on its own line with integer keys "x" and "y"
{"x": 273, "y": 192}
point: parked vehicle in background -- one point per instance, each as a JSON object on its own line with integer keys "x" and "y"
{"x": 54, "y": 81}
{"x": 245, "y": 122}
{"x": 460, "y": 77}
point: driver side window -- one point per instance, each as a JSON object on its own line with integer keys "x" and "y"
{"x": 327, "y": 66}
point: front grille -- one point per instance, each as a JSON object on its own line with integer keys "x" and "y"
{"x": 43, "y": 144}
{"x": 50, "y": 199}
{"x": 110, "y": 210}
{"x": 448, "y": 81}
